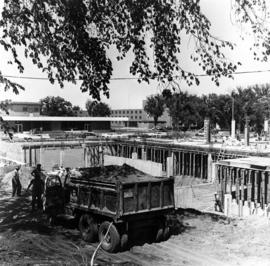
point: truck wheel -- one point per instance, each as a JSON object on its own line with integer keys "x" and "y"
{"x": 124, "y": 241}
{"x": 166, "y": 233}
{"x": 112, "y": 240}
{"x": 159, "y": 235}
{"x": 88, "y": 228}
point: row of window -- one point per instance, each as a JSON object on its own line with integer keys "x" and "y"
{"x": 126, "y": 111}
{"x": 135, "y": 117}
{"x": 117, "y": 122}
{"x": 26, "y": 109}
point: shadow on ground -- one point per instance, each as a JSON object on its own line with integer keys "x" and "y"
{"x": 15, "y": 214}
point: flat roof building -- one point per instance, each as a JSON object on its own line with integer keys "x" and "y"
{"x": 139, "y": 118}
{"x": 25, "y": 116}
{"x": 54, "y": 123}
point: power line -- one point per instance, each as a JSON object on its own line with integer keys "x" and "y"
{"x": 41, "y": 78}
{"x": 134, "y": 78}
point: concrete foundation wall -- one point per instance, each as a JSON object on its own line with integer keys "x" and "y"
{"x": 243, "y": 208}
{"x": 11, "y": 151}
{"x": 148, "y": 167}
{"x": 199, "y": 197}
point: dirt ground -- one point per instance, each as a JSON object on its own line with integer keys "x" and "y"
{"x": 199, "y": 239}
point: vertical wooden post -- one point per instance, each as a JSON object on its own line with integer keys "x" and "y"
{"x": 256, "y": 187}
{"x": 40, "y": 155}
{"x": 222, "y": 181}
{"x": 249, "y": 186}
{"x": 219, "y": 174}
{"x": 24, "y": 155}
{"x": 161, "y": 195}
{"x": 242, "y": 185}
{"x": 194, "y": 165}
{"x": 35, "y": 155}
{"x": 30, "y": 156}
{"x": 229, "y": 183}
{"x": 237, "y": 181}
{"x": 201, "y": 172}
{"x": 84, "y": 157}
{"x": 183, "y": 163}
{"x": 179, "y": 162}
{"x": 263, "y": 189}
{"x": 268, "y": 188}
{"x": 174, "y": 163}
{"x": 164, "y": 160}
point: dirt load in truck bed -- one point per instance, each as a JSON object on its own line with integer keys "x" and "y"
{"x": 113, "y": 174}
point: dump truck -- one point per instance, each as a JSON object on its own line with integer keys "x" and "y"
{"x": 111, "y": 203}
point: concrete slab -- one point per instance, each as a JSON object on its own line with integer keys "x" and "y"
{"x": 248, "y": 162}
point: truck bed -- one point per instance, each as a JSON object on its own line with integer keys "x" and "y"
{"x": 120, "y": 191}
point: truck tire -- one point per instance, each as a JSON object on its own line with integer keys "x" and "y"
{"x": 166, "y": 233}
{"x": 88, "y": 228}
{"x": 159, "y": 235}
{"x": 112, "y": 240}
{"x": 124, "y": 242}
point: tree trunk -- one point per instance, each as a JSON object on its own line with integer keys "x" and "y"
{"x": 155, "y": 121}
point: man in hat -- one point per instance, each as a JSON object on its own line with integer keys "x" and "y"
{"x": 16, "y": 183}
{"x": 37, "y": 185}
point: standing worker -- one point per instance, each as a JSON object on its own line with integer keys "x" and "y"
{"x": 16, "y": 183}
{"x": 37, "y": 171}
{"x": 37, "y": 187}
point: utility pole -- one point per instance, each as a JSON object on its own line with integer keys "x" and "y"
{"x": 247, "y": 130}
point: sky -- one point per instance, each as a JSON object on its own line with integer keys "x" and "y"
{"x": 130, "y": 93}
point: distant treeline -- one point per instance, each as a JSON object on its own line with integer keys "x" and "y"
{"x": 189, "y": 111}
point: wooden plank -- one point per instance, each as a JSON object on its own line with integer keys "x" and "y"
{"x": 263, "y": 189}
{"x": 179, "y": 163}
{"x": 237, "y": 184}
{"x": 149, "y": 196}
{"x": 230, "y": 179}
{"x": 249, "y": 186}
{"x": 194, "y": 165}
{"x": 161, "y": 201}
{"x": 242, "y": 185}
{"x": 201, "y": 168}
{"x": 219, "y": 171}
{"x": 268, "y": 188}
{"x": 256, "y": 187}
{"x": 136, "y": 196}
{"x": 183, "y": 163}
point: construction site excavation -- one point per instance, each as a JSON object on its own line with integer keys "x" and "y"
{"x": 134, "y": 133}
{"x": 136, "y": 201}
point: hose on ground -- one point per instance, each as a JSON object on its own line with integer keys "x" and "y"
{"x": 97, "y": 248}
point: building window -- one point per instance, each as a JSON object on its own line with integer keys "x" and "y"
{"x": 131, "y": 117}
{"x": 135, "y": 111}
{"x": 123, "y": 112}
{"x": 135, "y": 117}
{"x": 140, "y": 117}
{"x": 127, "y": 112}
{"x": 35, "y": 109}
{"x": 24, "y": 109}
{"x": 140, "y": 111}
{"x": 131, "y": 112}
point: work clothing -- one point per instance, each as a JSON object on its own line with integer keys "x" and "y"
{"x": 16, "y": 184}
{"x": 37, "y": 190}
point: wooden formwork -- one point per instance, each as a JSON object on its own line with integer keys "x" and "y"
{"x": 246, "y": 179}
